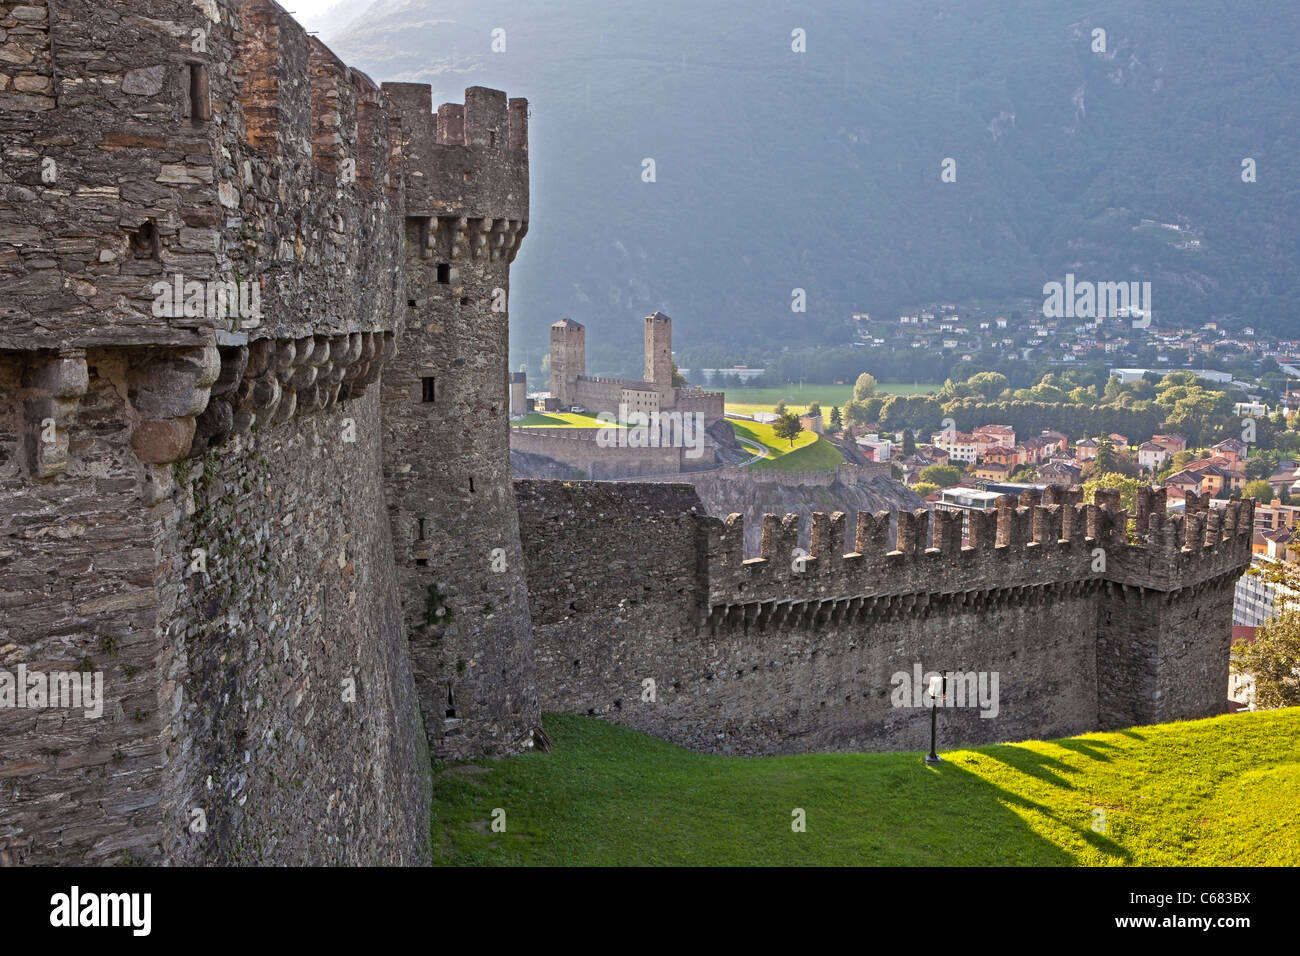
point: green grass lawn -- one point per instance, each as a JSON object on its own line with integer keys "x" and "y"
{"x": 809, "y": 452}
{"x": 819, "y": 455}
{"x": 747, "y": 401}
{"x": 561, "y": 420}
{"x": 765, "y": 435}
{"x": 1216, "y": 792}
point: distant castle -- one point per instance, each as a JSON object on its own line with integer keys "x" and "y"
{"x": 571, "y": 386}
{"x": 679, "y": 416}
{"x": 289, "y": 551}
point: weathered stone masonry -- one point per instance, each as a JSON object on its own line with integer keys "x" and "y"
{"x": 634, "y": 582}
{"x": 205, "y": 521}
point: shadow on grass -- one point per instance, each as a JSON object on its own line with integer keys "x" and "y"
{"x": 1128, "y": 733}
{"x": 1088, "y": 748}
{"x": 1097, "y": 841}
{"x": 1032, "y": 763}
{"x": 611, "y": 796}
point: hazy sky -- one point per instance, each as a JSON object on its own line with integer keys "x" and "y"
{"x": 321, "y": 14}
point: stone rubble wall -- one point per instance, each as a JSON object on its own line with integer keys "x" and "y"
{"x": 774, "y": 655}
{"x": 264, "y": 707}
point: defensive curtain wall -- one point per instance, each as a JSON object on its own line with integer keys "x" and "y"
{"x": 1087, "y": 625}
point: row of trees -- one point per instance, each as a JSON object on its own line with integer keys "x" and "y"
{"x": 1077, "y": 403}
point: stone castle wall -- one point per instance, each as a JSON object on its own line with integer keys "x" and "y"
{"x": 192, "y": 504}
{"x": 768, "y": 655}
{"x": 578, "y": 448}
{"x": 712, "y": 405}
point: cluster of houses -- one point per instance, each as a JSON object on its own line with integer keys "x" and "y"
{"x": 991, "y": 455}
{"x": 1069, "y": 340}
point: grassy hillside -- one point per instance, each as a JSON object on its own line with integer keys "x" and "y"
{"x": 1210, "y": 792}
{"x": 758, "y": 433}
{"x": 818, "y": 455}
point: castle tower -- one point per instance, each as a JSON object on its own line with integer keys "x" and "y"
{"x": 447, "y": 461}
{"x": 659, "y": 355}
{"x": 568, "y": 360}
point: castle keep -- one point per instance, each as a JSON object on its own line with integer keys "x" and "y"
{"x": 289, "y": 543}
{"x": 572, "y": 386}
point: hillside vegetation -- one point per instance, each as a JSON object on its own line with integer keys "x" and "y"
{"x": 820, "y": 171}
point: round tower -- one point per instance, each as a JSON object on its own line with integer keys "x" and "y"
{"x": 446, "y": 420}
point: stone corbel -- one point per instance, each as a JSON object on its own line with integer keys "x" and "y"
{"x": 294, "y": 371}
{"x": 257, "y": 395}
{"x": 365, "y": 369}
{"x": 57, "y": 381}
{"x": 215, "y": 425}
{"x": 169, "y": 389}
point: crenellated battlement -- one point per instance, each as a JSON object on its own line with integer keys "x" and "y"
{"x": 925, "y": 552}
{"x": 466, "y": 171}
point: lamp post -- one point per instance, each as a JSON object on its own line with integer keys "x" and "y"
{"x": 937, "y": 683}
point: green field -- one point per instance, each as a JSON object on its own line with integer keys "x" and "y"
{"x": 1217, "y": 792}
{"x": 747, "y": 401}
{"x": 766, "y": 436}
{"x": 819, "y": 455}
{"x": 561, "y": 420}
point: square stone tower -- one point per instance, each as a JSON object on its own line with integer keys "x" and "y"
{"x": 568, "y": 360}
{"x": 659, "y": 355}
{"x": 446, "y": 420}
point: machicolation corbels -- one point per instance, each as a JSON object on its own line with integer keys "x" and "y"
{"x": 55, "y": 383}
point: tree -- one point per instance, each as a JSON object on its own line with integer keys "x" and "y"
{"x": 1107, "y": 459}
{"x": 988, "y": 384}
{"x": 863, "y": 413}
{"x": 679, "y": 380}
{"x": 1273, "y": 658}
{"x": 788, "y": 427}
{"x": 1127, "y": 489}
{"x": 909, "y": 442}
{"x": 925, "y": 488}
{"x": 1025, "y": 474}
{"x": 1259, "y": 489}
{"x": 864, "y": 387}
{"x": 945, "y": 476}
{"x": 1261, "y": 464}
{"x": 780, "y": 408}
{"x": 837, "y": 421}
{"x": 815, "y": 408}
